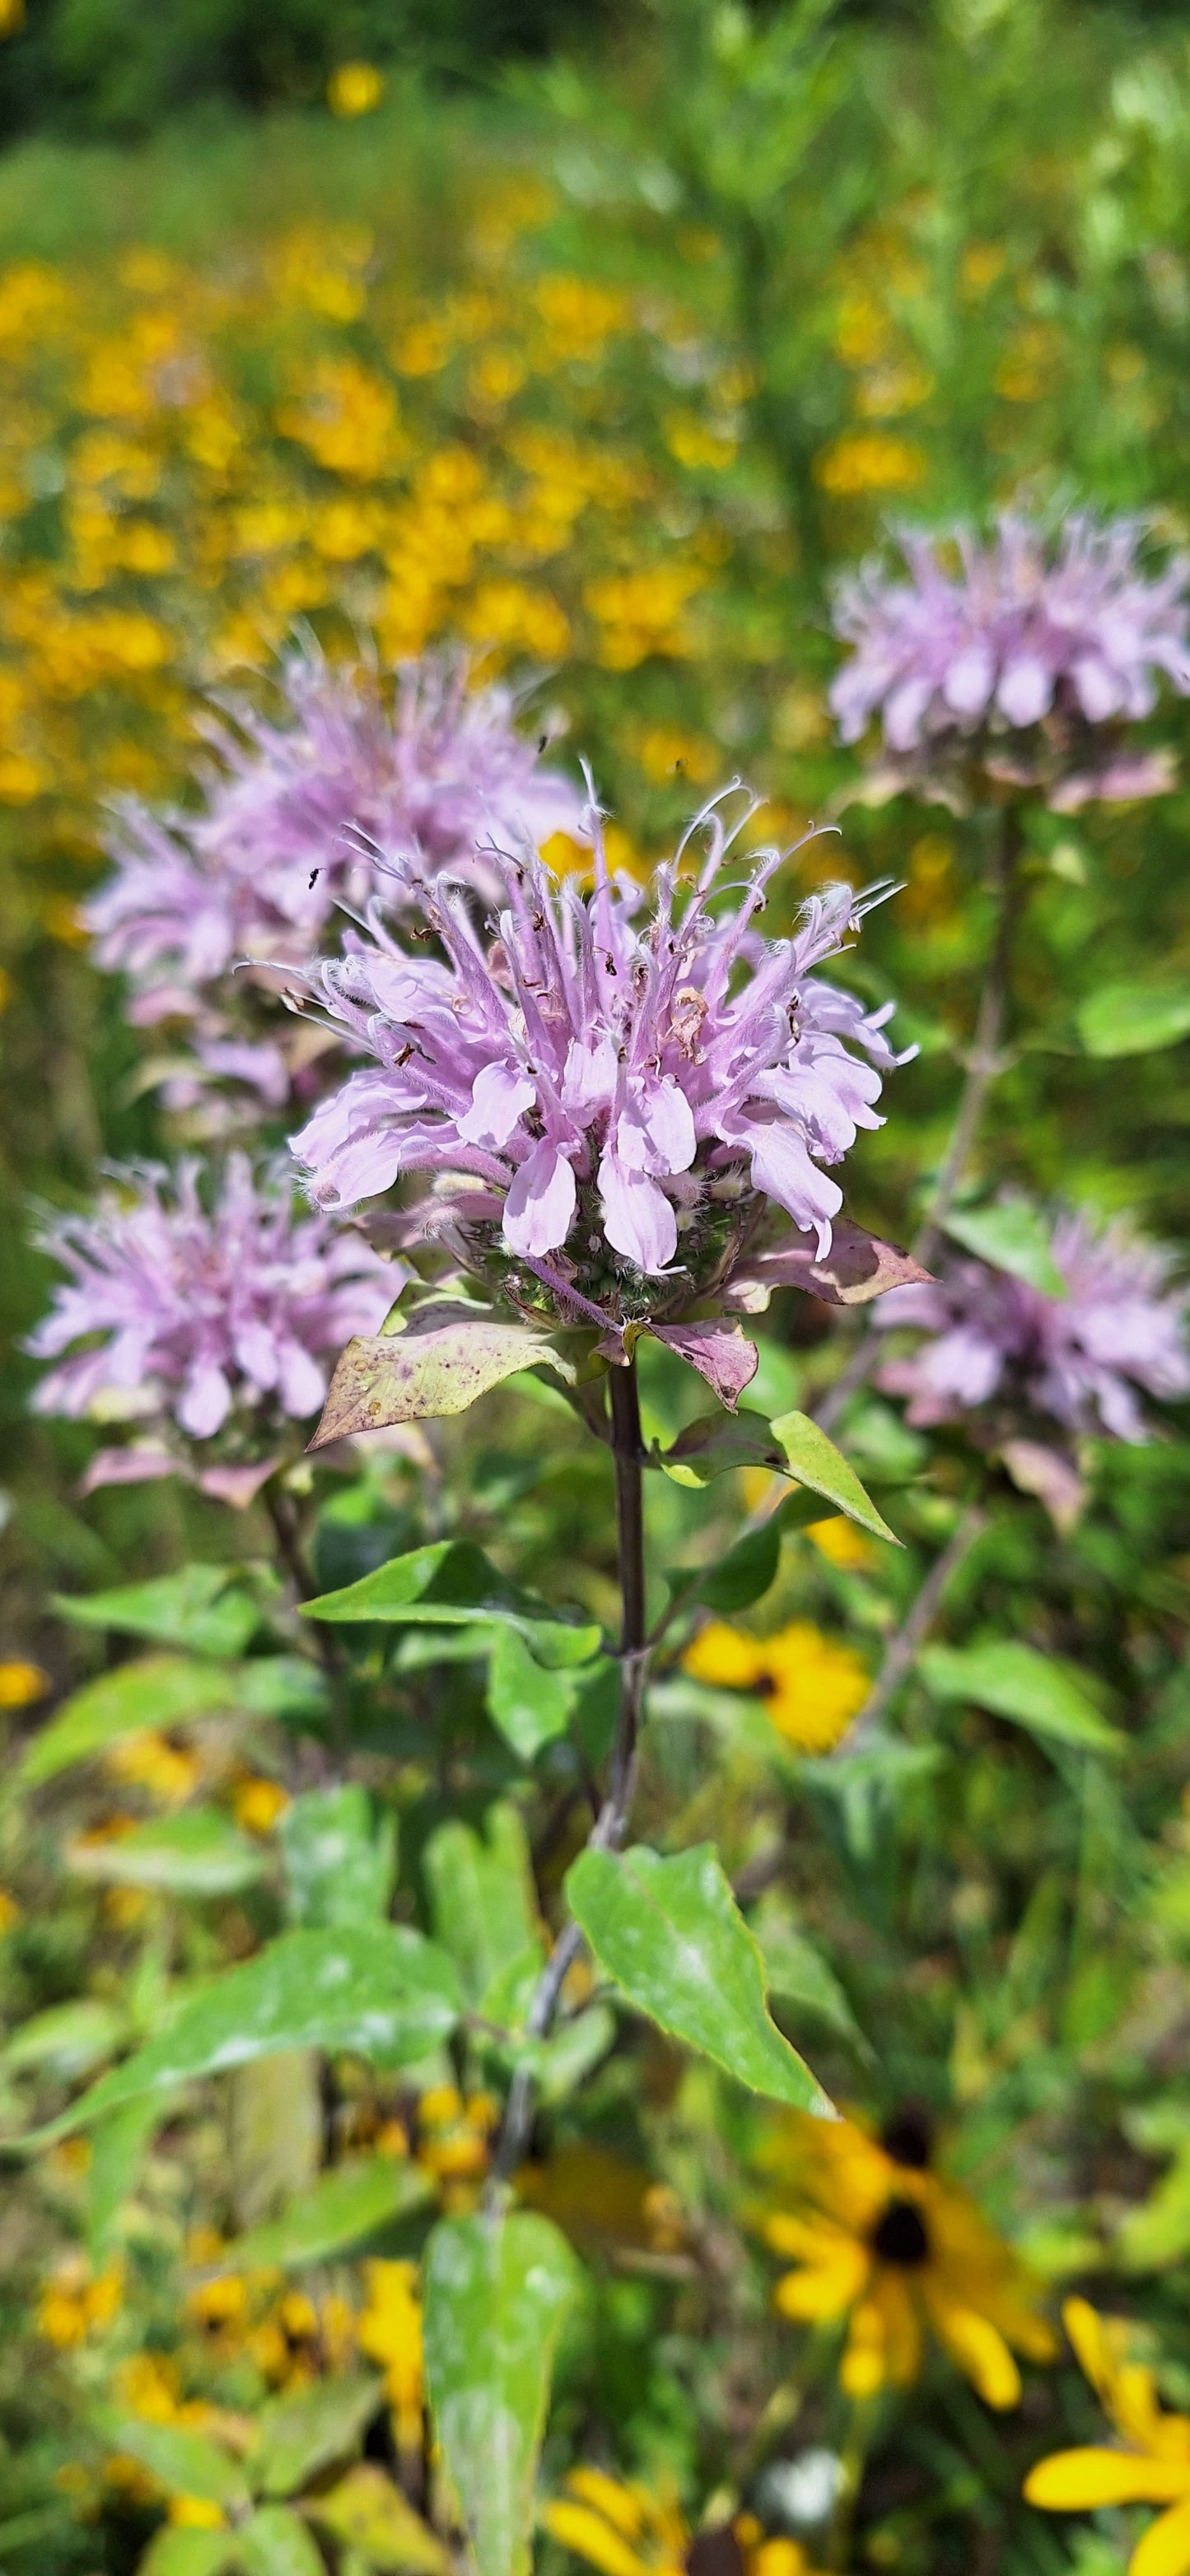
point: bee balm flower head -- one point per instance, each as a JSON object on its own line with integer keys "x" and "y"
{"x": 609, "y": 1088}
{"x": 432, "y": 770}
{"x": 1022, "y": 656}
{"x": 200, "y": 1310}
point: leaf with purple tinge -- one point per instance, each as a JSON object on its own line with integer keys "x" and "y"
{"x": 439, "y": 1364}
{"x": 858, "y": 1267}
{"x": 719, "y": 1351}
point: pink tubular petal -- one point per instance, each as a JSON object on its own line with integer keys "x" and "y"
{"x": 540, "y": 1207}
{"x": 205, "y": 1401}
{"x": 638, "y": 1219}
{"x": 499, "y": 1095}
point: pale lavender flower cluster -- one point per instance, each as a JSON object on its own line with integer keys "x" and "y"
{"x": 434, "y": 769}
{"x": 994, "y": 1341}
{"x": 191, "y": 1309}
{"x": 610, "y": 1087}
{"x": 1068, "y": 633}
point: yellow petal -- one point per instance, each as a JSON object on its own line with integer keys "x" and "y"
{"x": 978, "y": 2348}
{"x": 1078, "y": 2481}
{"x": 724, "y": 1657}
{"x": 863, "y": 2368}
{"x": 1165, "y": 2549}
{"x": 618, "y": 2504}
{"x": 824, "y": 2288}
{"x": 578, "y": 2528}
{"x": 902, "y": 2331}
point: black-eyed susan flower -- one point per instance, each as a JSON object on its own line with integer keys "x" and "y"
{"x": 389, "y": 2331}
{"x": 1152, "y": 2463}
{"x": 881, "y": 2241}
{"x": 811, "y": 1686}
{"x": 627, "y": 2529}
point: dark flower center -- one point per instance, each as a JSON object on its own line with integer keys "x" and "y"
{"x": 906, "y": 2137}
{"x": 899, "y": 2236}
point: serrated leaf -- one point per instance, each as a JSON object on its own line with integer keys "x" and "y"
{"x": 671, "y": 1936}
{"x": 383, "y": 1993}
{"x": 453, "y": 1584}
{"x": 1014, "y": 1681}
{"x": 199, "y": 1610}
{"x": 482, "y": 1902}
{"x": 365, "y": 2512}
{"x": 496, "y": 2292}
{"x": 1013, "y": 1236}
{"x": 299, "y": 2435}
{"x": 158, "y": 1691}
{"x": 340, "y": 1859}
{"x": 183, "y": 2462}
{"x": 197, "y": 1853}
{"x": 439, "y": 1364}
{"x": 822, "y": 1469}
{"x": 276, "y": 2543}
{"x": 1133, "y": 1019}
{"x": 340, "y": 2209}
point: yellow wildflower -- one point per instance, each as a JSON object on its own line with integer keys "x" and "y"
{"x": 21, "y": 1684}
{"x": 257, "y": 1803}
{"x": 354, "y": 89}
{"x": 627, "y": 2529}
{"x": 842, "y": 1544}
{"x": 389, "y": 2331}
{"x": 10, "y": 1912}
{"x": 870, "y": 460}
{"x": 880, "y": 2240}
{"x": 811, "y": 1687}
{"x": 72, "y": 2302}
{"x": 195, "y": 2513}
{"x": 169, "y": 1772}
{"x": 1152, "y": 2467}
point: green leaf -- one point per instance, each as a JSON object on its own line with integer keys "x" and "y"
{"x": 798, "y": 1974}
{"x": 1013, "y": 1236}
{"x": 286, "y": 1686}
{"x": 1016, "y": 1682}
{"x": 297, "y": 2436}
{"x": 339, "y": 2210}
{"x": 452, "y": 1584}
{"x": 277, "y": 2543}
{"x": 199, "y": 1610}
{"x": 276, "y": 2131}
{"x": 716, "y": 1443}
{"x": 822, "y": 1469}
{"x": 70, "y": 2038}
{"x": 736, "y": 1580}
{"x": 365, "y": 2512}
{"x": 530, "y": 1705}
{"x": 340, "y": 1861}
{"x": 197, "y": 1853}
{"x": 1132, "y": 1019}
{"x": 159, "y": 1691}
{"x": 482, "y": 1903}
{"x": 671, "y": 1936}
{"x": 496, "y": 2292}
{"x": 184, "y": 2463}
{"x": 442, "y": 1360}
{"x": 175, "y": 2550}
{"x": 382, "y": 1992}
{"x": 116, "y": 2150}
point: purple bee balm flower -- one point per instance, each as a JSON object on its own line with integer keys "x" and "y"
{"x": 434, "y": 771}
{"x": 609, "y": 1088}
{"x": 994, "y": 1341}
{"x": 203, "y": 1311}
{"x": 1054, "y": 637}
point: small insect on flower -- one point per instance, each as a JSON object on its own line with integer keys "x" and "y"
{"x": 202, "y": 1302}
{"x": 881, "y": 2241}
{"x": 609, "y": 1088}
{"x": 811, "y": 1687}
{"x": 1054, "y": 636}
{"x": 1152, "y": 2464}
{"x": 998, "y": 1343}
{"x": 431, "y": 768}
